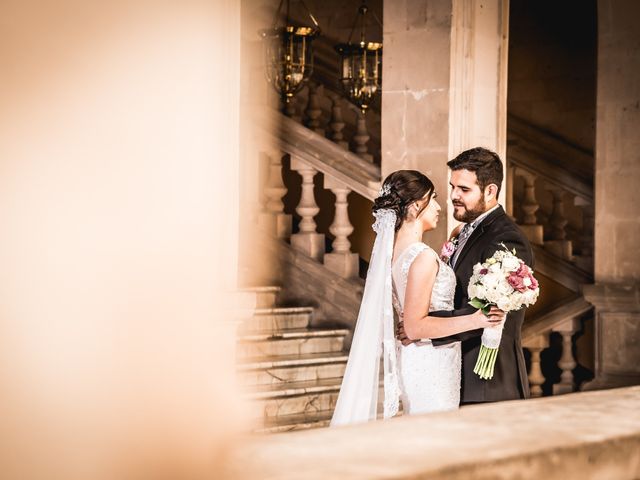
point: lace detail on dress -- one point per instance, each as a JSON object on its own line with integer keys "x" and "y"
{"x": 429, "y": 376}
{"x": 444, "y": 287}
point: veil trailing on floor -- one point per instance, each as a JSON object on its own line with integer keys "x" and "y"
{"x": 374, "y": 336}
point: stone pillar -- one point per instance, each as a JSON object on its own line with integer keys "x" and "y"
{"x": 616, "y": 293}
{"x": 444, "y": 88}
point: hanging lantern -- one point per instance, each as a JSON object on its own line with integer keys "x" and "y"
{"x": 361, "y": 64}
{"x": 289, "y": 54}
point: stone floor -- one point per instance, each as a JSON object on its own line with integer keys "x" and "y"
{"x": 594, "y": 435}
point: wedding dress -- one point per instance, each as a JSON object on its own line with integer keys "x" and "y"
{"x": 429, "y": 377}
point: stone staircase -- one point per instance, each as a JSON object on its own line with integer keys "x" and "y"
{"x": 291, "y": 370}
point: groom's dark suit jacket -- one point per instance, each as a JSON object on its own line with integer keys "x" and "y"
{"x": 510, "y": 377}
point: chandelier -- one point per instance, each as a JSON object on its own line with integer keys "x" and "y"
{"x": 361, "y": 64}
{"x": 288, "y": 54}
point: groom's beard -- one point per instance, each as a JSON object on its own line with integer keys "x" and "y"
{"x": 468, "y": 215}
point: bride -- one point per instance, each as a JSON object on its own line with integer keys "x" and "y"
{"x": 405, "y": 274}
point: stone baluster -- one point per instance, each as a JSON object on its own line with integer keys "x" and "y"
{"x": 337, "y": 122}
{"x": 308, "y": 240}
{"x": 273, "y": 218}
{"x": 557, "y": 219}
{"x": 567, "y": 362}
{"x": 361, "y": 138}
{"x": 558, "y": 244}
{"x": 341, "y": 260}
{"x": 536, "y": 378}
{"x": 529, "y": 207}
{"x": 313, "y": 110}
{"x": 585, "y": 260}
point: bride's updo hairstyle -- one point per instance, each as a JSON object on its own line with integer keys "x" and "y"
{"x": 400, "y": 189}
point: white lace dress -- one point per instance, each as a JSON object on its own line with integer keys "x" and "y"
{"x": 429, "y": 376}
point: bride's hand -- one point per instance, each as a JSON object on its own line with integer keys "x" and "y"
{"x": 402, "y": 336}
{"x": 494, "y": 319}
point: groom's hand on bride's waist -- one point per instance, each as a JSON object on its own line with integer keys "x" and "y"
{"x": 402, "y": 336}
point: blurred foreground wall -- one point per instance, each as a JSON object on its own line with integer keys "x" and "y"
{"x": 118, "y": 214}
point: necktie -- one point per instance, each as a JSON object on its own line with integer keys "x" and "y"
{"x": 466, "y": 231}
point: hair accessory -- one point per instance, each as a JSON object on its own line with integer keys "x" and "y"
{"x": 384, "y": 190}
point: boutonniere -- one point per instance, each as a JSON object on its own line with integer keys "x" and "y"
{"x": 448, "y": 249}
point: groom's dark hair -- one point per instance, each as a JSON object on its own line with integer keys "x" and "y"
{"x": 484, "y": 163}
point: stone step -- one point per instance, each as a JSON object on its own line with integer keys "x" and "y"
{"x": 291, "y": 368}
{"x": 290, "y": 342}
{"x": 291, "y": 423}
{"x": 296, "y": 398}
{"x": 275, "y": 319}
{"x": 265, "y": 296}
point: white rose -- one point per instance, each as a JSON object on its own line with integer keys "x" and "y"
{"x": 491, "y": 279}
{"x": 510, "y": 263}
{"x": 504, "y": 304}
{"x": 493, "y": 296}
{"x": 504, "y": 288}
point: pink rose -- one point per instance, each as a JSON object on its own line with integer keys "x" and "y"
{"x": 447, "y": 250}
{"x": 516, "y": 281}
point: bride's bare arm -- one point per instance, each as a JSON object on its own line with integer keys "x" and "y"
{"x": 417, "y": 323}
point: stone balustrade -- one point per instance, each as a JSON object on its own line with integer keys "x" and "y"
{"x": 583, "y": 436}
{"x": 343, "y": 173}
{"x": 550, "y": 229}
{"x": 565, "y": 321}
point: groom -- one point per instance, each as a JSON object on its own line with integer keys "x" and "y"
{"x": 476, "y": 177}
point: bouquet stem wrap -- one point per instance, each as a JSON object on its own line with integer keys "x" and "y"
{"x": 490, "y": 343}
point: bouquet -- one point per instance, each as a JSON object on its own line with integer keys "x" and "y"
{"x": 506, "y": 282}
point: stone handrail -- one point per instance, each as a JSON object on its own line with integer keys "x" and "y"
{"x": 562, "y": 271}
{"x": 547, "y": 322}
{"x": 325, "y": 156}
{"x": 582, "y": 436}
{"x": 552, "y": 173}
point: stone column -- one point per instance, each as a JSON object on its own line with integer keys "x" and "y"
{"x": 444, "y": 87}
{"x": 616, "y": 293}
